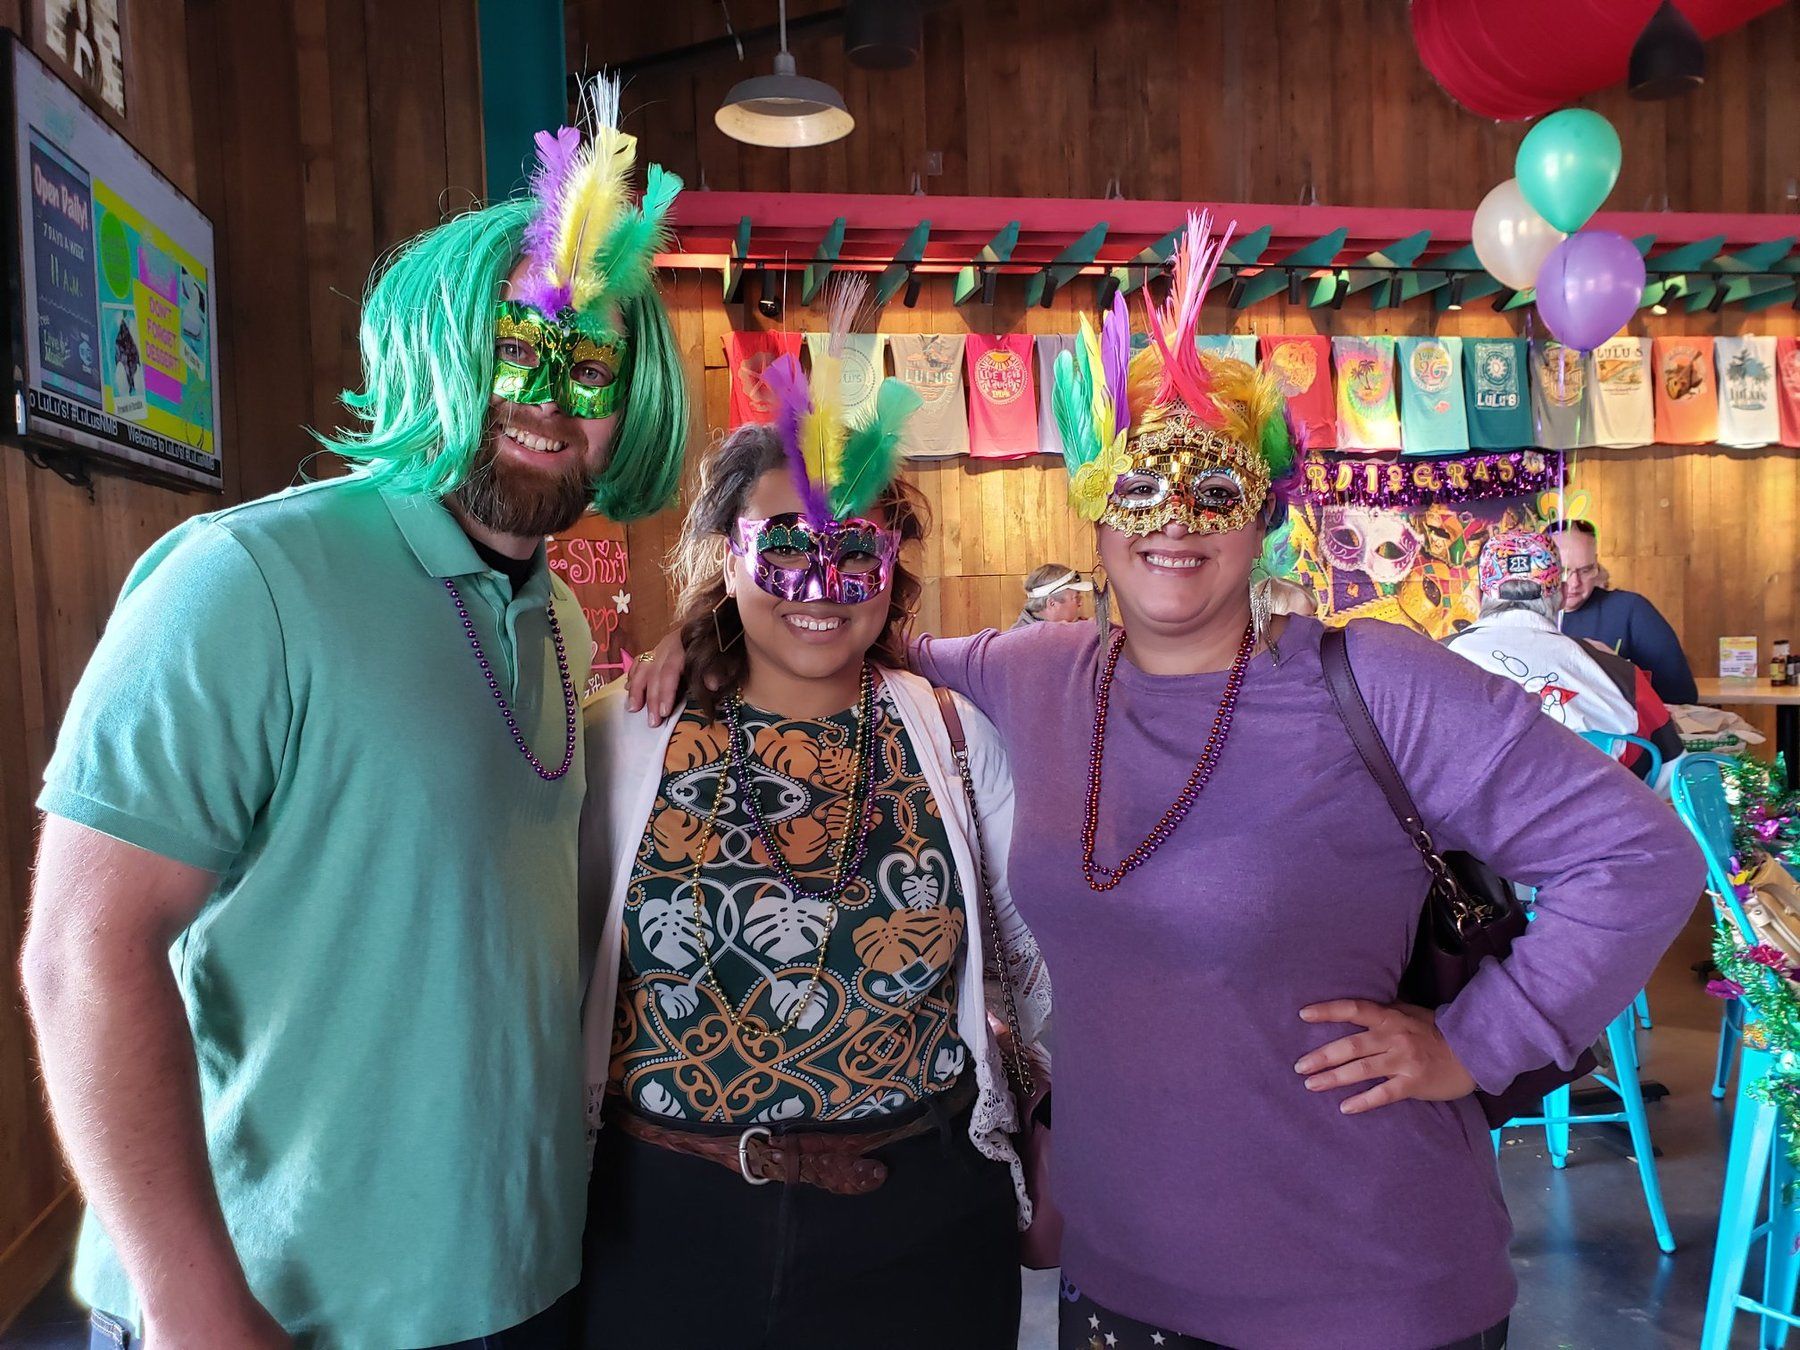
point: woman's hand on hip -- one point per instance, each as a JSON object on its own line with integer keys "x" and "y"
{"x": 1401, "y": 1044}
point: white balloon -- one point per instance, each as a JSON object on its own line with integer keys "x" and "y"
{"x": 1511, "y": 239}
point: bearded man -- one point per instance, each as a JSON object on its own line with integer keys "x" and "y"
{"x": 303, "y": 953}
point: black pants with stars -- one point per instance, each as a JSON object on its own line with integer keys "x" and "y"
{"x": 1083, "y": 1324}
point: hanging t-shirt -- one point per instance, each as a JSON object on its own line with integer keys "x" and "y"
{"x": 932, "y": 364}
{"x": 1787, "y": 388}
{"x": 747, "y": 356}
{"x": 862, "y": 363}
{"x": 1559, "y": 396}
{"x": 1687, "y": 399}
{"x": 1238, "y": 346}
{"x": 1049, "y": 347}
{"x": 1499, "y": 408}
{"x": 1619, "y": 394}
{"x": 1302, "y": 366}
{"x": 1748, "y": 415}
{"x": 1367, "y": 412}
{"x": 1002, "y": 396}
{"x": 1432, "y": 418}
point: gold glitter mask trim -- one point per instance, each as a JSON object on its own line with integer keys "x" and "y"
{"x": 1183, "y": 471}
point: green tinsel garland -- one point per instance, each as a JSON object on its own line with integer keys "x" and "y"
{"x": 1765, "y": 813}
{"x": 1765, "y": 817}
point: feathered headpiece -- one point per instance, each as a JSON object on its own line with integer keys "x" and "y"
{"x": 1106, "y": 398}
{"x": 839, "y": 469}
{"x": 588, "y": 245}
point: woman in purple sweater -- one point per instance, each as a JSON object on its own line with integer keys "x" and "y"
{"x": 1256, "y": 1146}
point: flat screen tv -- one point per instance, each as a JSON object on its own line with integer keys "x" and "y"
{"x": 111, "y": 340}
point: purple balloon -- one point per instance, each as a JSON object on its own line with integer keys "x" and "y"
{"x": 1589, "y": 287}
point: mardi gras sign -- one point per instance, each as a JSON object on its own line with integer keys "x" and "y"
{"x": 1360, "y": 481}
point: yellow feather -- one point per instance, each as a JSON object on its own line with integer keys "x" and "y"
{"x": 591, "y": 202}
{"x": 1096, "y": 372}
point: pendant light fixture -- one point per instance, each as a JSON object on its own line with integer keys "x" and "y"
{"x": 1668, "y": 58}
{"x": 784, "y": 110}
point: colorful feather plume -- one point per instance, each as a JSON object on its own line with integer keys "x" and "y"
{"x": 1174, "y": 325}
{"x": 587, "y": 243}
{"x": 1090, "y": 397}
{"x": 839, "y": 470}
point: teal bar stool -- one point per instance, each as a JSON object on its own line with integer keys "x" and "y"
{"x": 1756, "y": 1168}
{"x": 1624, "y": 1082}
{"x": 1612, "y": 742}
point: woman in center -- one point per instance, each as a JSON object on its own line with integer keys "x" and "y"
{"x": 802, "y": 1110}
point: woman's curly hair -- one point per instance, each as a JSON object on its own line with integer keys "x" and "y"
{"x": 711, "y": 633}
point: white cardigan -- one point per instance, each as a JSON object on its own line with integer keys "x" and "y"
{"x": 624, "y": 771}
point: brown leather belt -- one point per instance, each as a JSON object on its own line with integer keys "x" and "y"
{"x": 834, "y": 1162}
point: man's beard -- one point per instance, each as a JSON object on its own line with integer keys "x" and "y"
{"x": 514, "y": 500}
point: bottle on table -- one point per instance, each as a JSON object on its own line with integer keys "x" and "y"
{"x": 1781, "y": 667}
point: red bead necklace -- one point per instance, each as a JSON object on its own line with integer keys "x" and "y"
{"x": 1103, "y": 878}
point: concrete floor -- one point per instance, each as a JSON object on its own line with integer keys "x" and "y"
{"x": 1590, "y": 1275}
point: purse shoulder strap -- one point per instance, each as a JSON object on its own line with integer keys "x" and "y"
{"x": 1017, "y": 1065}
{"x": 1346, "y": 696}
{"x": 959, "y": 743}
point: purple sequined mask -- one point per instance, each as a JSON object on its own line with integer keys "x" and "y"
{"x": 846, "y": 563}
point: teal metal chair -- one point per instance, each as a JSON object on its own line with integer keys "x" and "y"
{"x": 1612, "y": 742}
{"x": 1621, "y": 1040}
{"x": 1756, "y": 1168}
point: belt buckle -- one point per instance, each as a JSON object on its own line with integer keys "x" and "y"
{"x": 744, "y": 1153}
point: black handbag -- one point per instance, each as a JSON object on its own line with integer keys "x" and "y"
{"x": 1471, "y": 911}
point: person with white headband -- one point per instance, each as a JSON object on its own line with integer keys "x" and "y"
{"x": 1052, "y": 595}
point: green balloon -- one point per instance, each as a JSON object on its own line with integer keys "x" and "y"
{"x": 1567, "y": 165}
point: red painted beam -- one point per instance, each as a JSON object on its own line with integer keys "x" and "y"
{"x": 794, "y": 223}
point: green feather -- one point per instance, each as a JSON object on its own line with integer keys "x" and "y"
{"x": 872, "y": 453}
{"x": 1073, "y": 398}
{"x": 627, "y": 254}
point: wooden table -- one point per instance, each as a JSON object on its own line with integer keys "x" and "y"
{"x": 1784, "y": 697}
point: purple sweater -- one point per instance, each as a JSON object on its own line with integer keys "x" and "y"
{"x": 1204, "y": 1188}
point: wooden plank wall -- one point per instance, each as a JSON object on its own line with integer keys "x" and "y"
{"x": 316, "y": 134}
{"x": 1285, "y": 101}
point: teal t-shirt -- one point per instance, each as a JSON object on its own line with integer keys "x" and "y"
{"x": 383, "y": 988}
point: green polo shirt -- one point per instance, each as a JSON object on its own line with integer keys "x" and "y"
{"x": 383, "y": 988}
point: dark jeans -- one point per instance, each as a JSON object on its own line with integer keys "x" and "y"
{"x": 683, "y": 1254}
{"x": 1083, "y": 1324}
{"x": 552, "y": 1329}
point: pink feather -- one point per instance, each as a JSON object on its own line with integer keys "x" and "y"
{"x": 1175, "y": 324}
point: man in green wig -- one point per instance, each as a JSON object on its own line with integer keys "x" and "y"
{"x": 303, "y": 958}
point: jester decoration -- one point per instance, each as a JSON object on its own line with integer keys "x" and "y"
{"x": 830, "y": 550}
{"x": 1170, "y": 434}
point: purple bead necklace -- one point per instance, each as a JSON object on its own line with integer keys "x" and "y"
{"x": 512, "y": 723}
{"x": 1099, "y": 876}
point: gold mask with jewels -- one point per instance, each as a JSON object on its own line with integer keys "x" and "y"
{"x": 1182, "y": 470}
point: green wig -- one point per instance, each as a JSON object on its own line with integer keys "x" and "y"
{"x": 427, "y": 341}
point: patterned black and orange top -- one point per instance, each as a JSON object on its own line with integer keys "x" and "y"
{"x": 881, "y": 1031}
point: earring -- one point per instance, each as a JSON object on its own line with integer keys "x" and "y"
{"x": 719, "y": 632}
{"x": 1102, "y": 585}
{"x": 1260, "y": 610}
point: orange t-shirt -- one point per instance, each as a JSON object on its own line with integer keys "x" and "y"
{"x": 1687, "y": 392}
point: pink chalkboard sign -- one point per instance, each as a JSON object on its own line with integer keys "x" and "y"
{"x": 591, "y": 558}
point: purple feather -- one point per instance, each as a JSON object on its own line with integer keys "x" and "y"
{"x": 556, "y": 155}
{"x": 793, "y": 401}
{"x": 1115, "y": 356}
